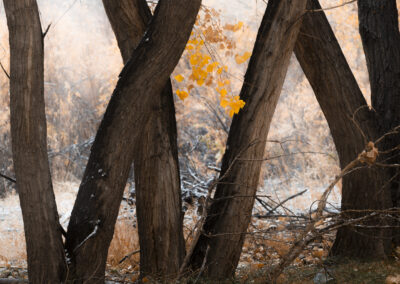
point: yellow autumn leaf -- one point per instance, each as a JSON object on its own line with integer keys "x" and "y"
{"x": 195, "y": 59}
{"x": 238, "y": 26}
{"x": 223, "y": 92}
{"x": 182, "y": 94}
{"x": 224, "y": 103}
{"x": 200, "y": 82}
{"x": 189, "y": 47}
{"x": 242, "y": 58}
{"x": 246, "y": 55}
{"x": 179, "y": 78}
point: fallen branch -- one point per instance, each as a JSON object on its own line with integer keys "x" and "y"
{"x": 128, "y": 256}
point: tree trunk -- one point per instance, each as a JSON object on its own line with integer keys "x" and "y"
{"x": 340, "y": 98}
{"x": 230, "y": 212}
{"x": 46, "y": 261}
{"x": 158, "y": 198}
{"x": 379, "y": 29}
{"x": 144, "y": 76}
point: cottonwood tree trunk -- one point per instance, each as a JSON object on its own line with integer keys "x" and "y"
{"x": 144, "y": 76}
{"x": 379, "y": 29}
{"x": 158, "y": 198}
{"x": 230, "y": 212}
{"x": 46, "y": 262}
{"x": 340, "y": 98}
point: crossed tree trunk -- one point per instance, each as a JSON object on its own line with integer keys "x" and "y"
{"x": 157, "y": 182}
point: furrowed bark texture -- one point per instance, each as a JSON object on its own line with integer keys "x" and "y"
{"x": 144, "y": 76}
{"x": 158, "y": 199}
{"x": 230, "y": 212}
{"x": 46, "y": 262}
{"x": 339, "y": 97}
{"x": 379, "y": 30}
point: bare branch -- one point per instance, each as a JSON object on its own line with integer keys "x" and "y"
{"x": 128, "y": 256}
{"x": 8, "y": 178}
{"x": 332, "y": 7}
{"x": 46, "y": 31}
{"x": 4, "y": 70}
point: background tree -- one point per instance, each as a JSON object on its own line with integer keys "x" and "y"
{"x": 46, "y": 261}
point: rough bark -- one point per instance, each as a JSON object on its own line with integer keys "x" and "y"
{"x": 46, "y": 262}
{"x": 379, "y": 30}
{"x": 230, "y": 211}
{"x": 144, "y": 76}
{"x": 339, "y": 97}
{"x": 158, "y": 198}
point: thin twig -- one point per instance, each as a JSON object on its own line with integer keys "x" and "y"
{"x": 304, "y": 238}
{"x": 332, "y": 7}
{"x": 286, "y": 200}
{"x": 128, "y": 256}
{"x": 46, "y": 31}
{"x": 356, "y": 123}
{"x": 395, "y": 130}
{"x": 4, "y": 70}
{"x": 203, "y": 266}
{"x": 8, "y": 178}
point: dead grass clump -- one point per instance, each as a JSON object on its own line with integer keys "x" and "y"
{"x": 124, "y": 242}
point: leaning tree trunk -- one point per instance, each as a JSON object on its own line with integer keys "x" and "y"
{"x": 46, "y": 261}
{"x": 158, "y": 199}
{"x": 144, "y": 76}
{"x": 340, "y": 99}
{"x": 379, "y": 29}
{"x": 230, "y": 212}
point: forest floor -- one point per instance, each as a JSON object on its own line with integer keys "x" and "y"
{"x": 351, "y": 272}
{"x": 268, "y": 240}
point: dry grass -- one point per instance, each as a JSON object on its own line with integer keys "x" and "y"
{"x": 124, "y": 242}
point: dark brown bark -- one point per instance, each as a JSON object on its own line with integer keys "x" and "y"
{"x": 144, "y": 76}
{"x": 340, "y": 98}
{"x": 46, "y": 261}
{"x": 230, "y": 212}
{"x": 379, "y": 29}
{"x": 158, "y": 199}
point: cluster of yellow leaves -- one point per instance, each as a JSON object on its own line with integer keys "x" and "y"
{"x": 233, "y": 102}
{"x": 208, "y": 72}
